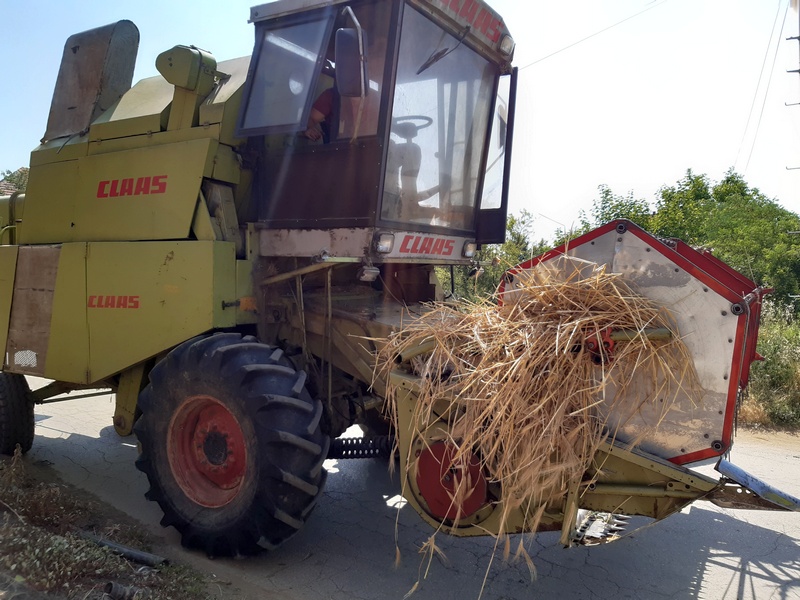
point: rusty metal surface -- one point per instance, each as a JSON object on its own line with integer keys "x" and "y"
{"x": 344, "y": 242}
{"x": 764, "y": 492}
{"x": 96, "y": 69}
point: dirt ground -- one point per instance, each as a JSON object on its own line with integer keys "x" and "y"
{"x": 34, "y": 502}
{"x": 790, "y": 440}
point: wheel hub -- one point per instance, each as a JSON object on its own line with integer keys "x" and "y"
{"x": 452, "y": 489}
{"x": 206, "y": 450}
{"x": 216, "y": 448}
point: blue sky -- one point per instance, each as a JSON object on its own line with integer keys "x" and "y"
{"x": 632, "y": 107}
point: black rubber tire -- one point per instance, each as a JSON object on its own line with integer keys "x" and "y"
{"x": 16, "y": 414}
{"x": 280, "y": 426}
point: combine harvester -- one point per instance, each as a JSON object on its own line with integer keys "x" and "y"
{"x": 224, "y": 246}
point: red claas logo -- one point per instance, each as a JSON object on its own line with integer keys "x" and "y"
{"x": 424, "y": 244}
{"x": 481, "y": 19}
{"x": 113, "y": 302}
{"x": 141, "y": 186}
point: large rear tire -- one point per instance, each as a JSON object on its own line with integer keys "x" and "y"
{"x": 231, "y": 444}
{"x": 16, "y": 414}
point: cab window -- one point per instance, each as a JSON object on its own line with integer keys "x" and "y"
{"x": 287, "y": 62}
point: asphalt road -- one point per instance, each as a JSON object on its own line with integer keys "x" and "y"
{"x": 347, "y": 550}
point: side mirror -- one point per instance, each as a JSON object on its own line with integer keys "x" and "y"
{"x": 351, "y": 64}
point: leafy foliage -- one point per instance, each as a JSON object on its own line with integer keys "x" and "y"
{"x": 751, "y": 233}
{"x": 493, "y": 260}
{"x": 681, "y": 210}
{"x": 607, "y": 207}
{"x": 611, "y": 206}
{"x": 775, "y": 381}
{"x": 743, "y": 227}
{"x": 18, "y": 180}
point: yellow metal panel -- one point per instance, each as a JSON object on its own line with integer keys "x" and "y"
{"x": 247, "y": 310}
{"x": 49, "y": 204}
{"x": 143, "y": 109}
{"x": 223, "y": 106}
{"x": 143, "y": 194}
{"x": 131, "y": 382}
{"x": 209, "y": 132}
{"x": 183, "y": 110}
{"x": 225, "y": 296}
{"x": 188, "y": 68}
{"x": 226, "y": 165}
{"x": 5, "y": 217}
{"x": 145, "y": 297}
{"x": 202, "y": 225}
{"x": 8, "y": 265}
{"x": 59, "y": 150}
{"x": 68, "y": 348}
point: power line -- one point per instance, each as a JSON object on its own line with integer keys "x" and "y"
{"x": 766, "y": 93}
{"x": 758, "y": 83}
{"x": 588, "y": 37}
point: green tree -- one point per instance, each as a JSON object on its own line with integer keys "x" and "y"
{"x": 607, "y": 207}
{"x": 493, "y": 260}
{"x": 775, "y": 381}
{"x": 18, "y": 179}
{"x": 610, "y": 206}
{"x": 739, "y": 224}
{"x": 751, "y": 233}
{"x": 682, "y": 209}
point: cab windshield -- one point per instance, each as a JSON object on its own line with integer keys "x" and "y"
{"x": 442, "y": 102}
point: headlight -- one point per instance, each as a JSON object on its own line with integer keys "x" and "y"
{"x": 507, "y": 45}
{"x": 469, "y": 250}
{"x": 384, "y": 242}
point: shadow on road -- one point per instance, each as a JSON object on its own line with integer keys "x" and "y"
{"x": 347, "y": 550}
{"x": 349, "y": 547}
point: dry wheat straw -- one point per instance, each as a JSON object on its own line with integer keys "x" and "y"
{"x": 524, "y": 394}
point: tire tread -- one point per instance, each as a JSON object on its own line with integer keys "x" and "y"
{"x": 17, "y": 419}
{"x": 289, "y": 444}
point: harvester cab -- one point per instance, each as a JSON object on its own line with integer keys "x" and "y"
{"x": 407, "y": 102}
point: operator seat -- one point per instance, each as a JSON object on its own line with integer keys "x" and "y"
{"x": 402, "y": 170}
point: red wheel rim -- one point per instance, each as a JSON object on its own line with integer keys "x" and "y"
{"x": 438, "y": 476}
{"x": 206, "y": 451}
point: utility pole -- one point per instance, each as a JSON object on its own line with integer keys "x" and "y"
{"x": 794, "y": 4}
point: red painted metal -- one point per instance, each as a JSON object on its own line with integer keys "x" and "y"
{"x": 600, "y": 346}
{"x": 206, "y": 451}
{"x": 750, "y": 293}
{"x": 439, "y": 478}
{"x": 550, "y": 254}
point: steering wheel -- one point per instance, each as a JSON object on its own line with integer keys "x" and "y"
{"x": 408, "y": 126}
